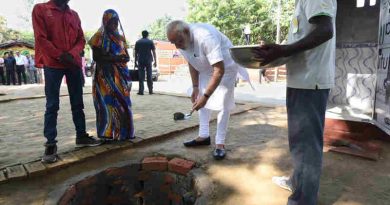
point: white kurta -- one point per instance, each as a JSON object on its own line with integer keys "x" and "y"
{"x": 209, "y": 46}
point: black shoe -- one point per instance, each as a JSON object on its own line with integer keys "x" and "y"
{"x": 140, "y": 94}
{"x": 194, "y": 143}
{"x": 219, "y": 154}
{"x": 151, "y": 93}
{"x": 50, "y": 155}
{"x": 87, "y": 141}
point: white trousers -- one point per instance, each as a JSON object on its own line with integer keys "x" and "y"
{"x": 222, "y": 124}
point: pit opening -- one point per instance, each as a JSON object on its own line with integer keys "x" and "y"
{"x": 132, "y": 185}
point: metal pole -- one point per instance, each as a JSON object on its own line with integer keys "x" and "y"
{"x": 279, "y": 13}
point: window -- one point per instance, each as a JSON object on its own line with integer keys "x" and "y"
{"x": 360, "y": 3}
{"x": 372, "y": 2}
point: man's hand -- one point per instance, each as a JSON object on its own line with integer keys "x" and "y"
{"x": 268, "y": 53}
{"x": 155, "y": 64}
{"x": 194, "y": 95}
{"x": 200, "y": 103}
{"x": 67, "y": 58}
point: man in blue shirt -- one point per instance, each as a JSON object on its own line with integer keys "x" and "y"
{"x": 144, "y": 48}
{"x": 10, "y": 66}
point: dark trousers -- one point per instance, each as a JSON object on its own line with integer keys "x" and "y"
{"x": 10, "y": 76}
{"x": 306, "y": 116}
{"x": 53, "y": 79}
{"x": 21, "y": 72}
{"x": 247, "y": 39}
{"x": 141, "y": 74}
{"x": 2, "y": 76}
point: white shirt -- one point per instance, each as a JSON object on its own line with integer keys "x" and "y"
{"x": 21, "y": 60}
{"x": 209, "y": 46}
{"x": 314, "y": 68}
{"x": 247, "y": 30}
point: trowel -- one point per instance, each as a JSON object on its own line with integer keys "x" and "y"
{"x": 181, "y": 116}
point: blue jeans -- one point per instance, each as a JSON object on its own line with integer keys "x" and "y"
{"x": 53, "y": 79}
{"x": 142, "y": 67}
{"x": 306, "y": 116}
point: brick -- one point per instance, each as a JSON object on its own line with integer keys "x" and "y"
{"x": 35, "y": 168}
{"x": 180, "y": 166}
{"x": 155, "y": 163}
{"x": 56, "y": 165}
{"x": 139, "y": 194}
{"x": 143, "y": 175}
{"x": 136, "y": 140}
{"x": 68, "y": 196}
{"x": 16, "y": 172}
{"x": 99, "y": 150}
{"x": 126, "y": 144}
{"x": 68, "y": 158}
{"x": 116, "y": 171}
{"x": 169, "y": 179}
{"x": 175, "y": 198}
{"x": 152, "y": 188}
{"x": 87, "y": 183}
{"x": 367, "y": 154}
{"x": 116, "y": 200}
{"x": 83, "y": 153}
{"x": 3, "y": 178}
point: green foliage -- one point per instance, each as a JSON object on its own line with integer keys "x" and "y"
{"x": 157, "y": 30}
{"x": 27, "y": 36}
{"x": 6, "y": 33}
{"x": 230, "y": 17}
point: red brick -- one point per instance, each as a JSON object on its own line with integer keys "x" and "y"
{"x": 86, "y": 183}
{"x": 139, "y": 194}
{"x": 116, "y": 172}
{"x": 155, "y": 163}
{"x": 115, "y": 200}
{"x": 174, "y": 197}
{"x": 68, "y": 196}
{"x": 180, "y": 166}
{"x": 143, "y": 175}
{"x": 169, "y": 179}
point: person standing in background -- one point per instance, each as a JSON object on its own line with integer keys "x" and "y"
{"x": 21, "y": 63}
{"x": 144, "y": 49}
{"x": 10, "y": 67}
{"x": 2, "y": 71}
{"x": 32, "y": 70}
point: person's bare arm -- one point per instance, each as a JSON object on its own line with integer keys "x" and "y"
{"x": 219, "y": 70}
{"x": 154, "y": 57}
{"x": 195, "y": 82}
{"x": 322, "y": 32}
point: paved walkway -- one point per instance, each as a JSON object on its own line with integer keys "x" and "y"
{"x": 21, "y": 121}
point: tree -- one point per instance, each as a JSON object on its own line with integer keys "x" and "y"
{"x": 231, "y": 16}
{"x": 157, "y": 30}
{"x": 6, "y": 33}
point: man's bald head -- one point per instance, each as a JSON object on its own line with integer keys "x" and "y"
{"x": 178, "y": 33}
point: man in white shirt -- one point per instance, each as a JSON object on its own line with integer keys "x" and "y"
{"x": 21, "y": 62}
{"x": 213, "y": 74}
{"x": 310, "y": 75}
{"x": 2, "y": 70}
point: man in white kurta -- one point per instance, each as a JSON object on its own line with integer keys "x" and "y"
{"x": 213, "y": 74}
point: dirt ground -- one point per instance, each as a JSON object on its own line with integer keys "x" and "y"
{"x": 257, "y": 150}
